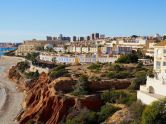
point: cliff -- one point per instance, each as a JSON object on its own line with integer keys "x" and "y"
{"x": 48, "y": 100}
{"x": 45, "y": 102}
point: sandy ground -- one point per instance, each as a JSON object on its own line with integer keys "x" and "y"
{"x": 14, "y": 98}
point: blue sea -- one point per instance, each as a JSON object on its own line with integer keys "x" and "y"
{"x": 3, "y": 50}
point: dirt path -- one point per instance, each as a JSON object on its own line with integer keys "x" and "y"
{"x": 14, "y": 98}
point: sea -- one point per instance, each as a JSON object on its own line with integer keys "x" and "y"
{"x": 5, "y": 49}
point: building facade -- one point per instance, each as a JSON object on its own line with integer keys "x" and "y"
{"x": 155, "y": 87}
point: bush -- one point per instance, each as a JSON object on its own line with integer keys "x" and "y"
{"x": 32, "y": 75}
{"x": 83, "y": 117}
{"x": 115, "y": 67}
{"x": 136, "y": 110}
{"x": 140, "y": 79}
{"x": 119, "y": 96}
{"x": 81, "y": 87}
{"x": 31, "y": 56}
{"x": 58, "y": 71}
{"x": 106, "y": 111}
{"x": 151, "y": 73}
{"x": 119, "y": 75}
{"x": 22, "y": 66}
{"x": 94, "y": 67}
{"x": 130, "y": 58}
{"x": 155, "y": 113}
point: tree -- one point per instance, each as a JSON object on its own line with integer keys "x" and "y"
{"x": 22, "y": 66}
{"x": 32, "y": 75}
{"x": 140, "y": 79}
{"x": 155, "y": 113}
{"x": 164, "y": 37}
{"x": 81, "y": 87}
{"x": 32, "y": 56}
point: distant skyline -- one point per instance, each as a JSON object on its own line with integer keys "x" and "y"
{"x": 27, "y": 19}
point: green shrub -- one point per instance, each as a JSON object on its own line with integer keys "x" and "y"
{"x": 119, "y": 75}
{"x": 140, "y": 79}
{"x": 58, "y": 71}
{"x": 116, "y": 67}
{"x": 119, "y": 96}
{"x": 81, "y": 87}
{"x": 130, "y": 58}
{"x": 32, "y": 56}
{"x": 22, "y": 66}
{"x": 136, "y": 109}
{"x": 155, "y": 113}
{"x": 95, "y": 67}
{"x": 32, "y": 75}
{"x": 106, "y": 111}
{"x": 85, "y": 116}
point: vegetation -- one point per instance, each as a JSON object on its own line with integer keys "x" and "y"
{"x": 32, "y": 75}
{"x": 106, "y": 111}
{"x": 58, "y": 71}
{"x": 130, "y": 58}
{"x": 95, "y": 67}
{"x": 22, "y": 66}
{"x": 119, "y": 96}
{"x": 136, "y": 110}
{"x": 32, "y": 56}
{"x": 81, "y": 87}
{"x": 119, "y": 75}
{"x": 155, "y": 113}
{"x": 85, "y": 116}
{"x": 116, "y": 67}
{"x": 140, "y": 79}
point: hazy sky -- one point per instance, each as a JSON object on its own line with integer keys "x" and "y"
{"x": 27, "y": 19}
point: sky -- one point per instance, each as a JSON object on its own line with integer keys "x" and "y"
{"x": 27, "y": 19}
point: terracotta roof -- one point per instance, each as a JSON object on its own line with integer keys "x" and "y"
{"x": 162, "y": 43}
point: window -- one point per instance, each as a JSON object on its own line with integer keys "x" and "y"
{"x": 158, "y": 65}
{"x": 164, "y": 63}
{"x": 164, "y": 51}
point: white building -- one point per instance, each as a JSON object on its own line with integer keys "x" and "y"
{"x": 59, "y": 49}
{"x": 155, "y": 87}
{"x": 47, "y": 57}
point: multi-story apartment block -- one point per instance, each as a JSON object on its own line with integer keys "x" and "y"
{"x": 155, "y": 85}
{"x": 137, "y": 43}
{"x": 27, "y": 47}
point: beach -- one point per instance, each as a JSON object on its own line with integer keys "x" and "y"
{"x": 10, "y": 98}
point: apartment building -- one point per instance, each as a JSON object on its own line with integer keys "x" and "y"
{"x": 155, "y": 85}
{"x": 27, "y": 47}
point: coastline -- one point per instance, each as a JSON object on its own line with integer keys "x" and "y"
{"x": 12, "y": 99}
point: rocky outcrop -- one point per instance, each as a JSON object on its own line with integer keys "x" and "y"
{"x": 45, "y": 102}
{"x": 118, "y": 117}
{"x": 16, "y": 76}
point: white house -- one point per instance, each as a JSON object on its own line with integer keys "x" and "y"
{"x": 155, "y": 87}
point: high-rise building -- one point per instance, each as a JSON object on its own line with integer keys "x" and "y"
{"x": 49, "y": 38}
{"x": 97, "y": 35}
{"x": 54, "y": 38}
{"x": 88, "y": 38}
{"x": 81, "y": 38}
{"x": 60, "y": 37}
{"x": 92, "y": 36}
{"x": 74, "y": 38}
{"x": 102, "y": 36}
